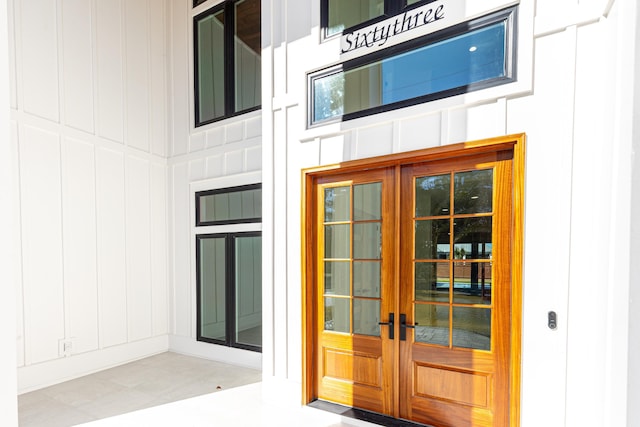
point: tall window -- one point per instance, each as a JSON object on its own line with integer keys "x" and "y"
{"x": 229, "y": 267}
{"x": 227, "y": 65}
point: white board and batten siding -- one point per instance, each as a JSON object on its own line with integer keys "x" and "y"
{"x": 566, "y": 100}
{"x": 90, "y": 140}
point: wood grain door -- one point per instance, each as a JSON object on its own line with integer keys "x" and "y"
{"x": 355, "y": 289}
{"x": 412, "y": 287}
{"x": 455, "y": 292}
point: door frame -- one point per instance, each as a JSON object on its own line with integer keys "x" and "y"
{"x": 514, "y": 143}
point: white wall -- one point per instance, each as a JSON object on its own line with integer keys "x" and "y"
{"x": 633, "y": 415}
{"x": 89, "y": 144}
{"x": 223, "y": 154}
{"x": 8, "y": 385}
{"x": 567, "y": 100}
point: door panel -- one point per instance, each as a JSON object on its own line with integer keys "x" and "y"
{"x": 455, "y": 292}
{"x": 355, "y": 265}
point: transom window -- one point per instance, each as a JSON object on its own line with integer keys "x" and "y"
{"x": 467, "y": 57}
{"x": 234, "y": 205}
{"x": 227, "y": 55}
{"x": 341, "y": 15}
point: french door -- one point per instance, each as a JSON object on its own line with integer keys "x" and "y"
{"x": 410, "y": 287}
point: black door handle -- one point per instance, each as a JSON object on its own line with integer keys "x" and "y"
{"x": 389, "y": 324}
{"x": 404, "y": 326}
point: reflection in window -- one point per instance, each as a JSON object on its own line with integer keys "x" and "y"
{"x": 227, "y": 79}
{"x": 474, "y": 59}
{"x": 229, "y": 289}
{"x": 344, "y": 14}
{"x": 229, "y": 205}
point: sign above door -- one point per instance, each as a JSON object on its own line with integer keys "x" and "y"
{"x": 411, "y": 24}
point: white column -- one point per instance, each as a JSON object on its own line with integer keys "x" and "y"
{"x": 8, "y": 384}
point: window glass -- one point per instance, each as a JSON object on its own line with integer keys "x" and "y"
{"x": 229, "y": 289}
{"x": 344, "y": 14}
{"x": 248, "y": 290}
{"x": 247, "y": 54}
{"x": 212, "y": 287}
{"x": 242, "y": 204}
{"x": 210, "y": 63}
{"x": 475, "y": 57}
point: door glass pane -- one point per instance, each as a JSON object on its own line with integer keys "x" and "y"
{"x": 336, "y": 277}
{"x": 432, "y": 324}
{"x": 336, "y": 241}
{"x": 433, "y": 195}
{"x": 336, "y": 314}
{"x": 212, "y": 262}
{"x": 337, "y": 204}
{"x": 367, "y": 240}
{"x": 432, "y": 239}
{"x": 432, "y": 281}
{"x": 472, "y": 328}
{"x": 247, "y": 54}
{"x": 473, "y": 192}
{"x": 210, "y": 67}
{"x": 366, "y": 279}
{"x": 345, "y": 14}
{"x": 249, "y": 290}
{"x": 366, "y": 315}
{"x": 472, "y": 238}
{"x": 367, "y": 201}
{"x": 472, "y": 283}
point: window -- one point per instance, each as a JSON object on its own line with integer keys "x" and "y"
{"x": 466, "y": 57}
{"x": 229, "y": 289}
{"x": 229, "y": 206}
{"x": 229, "y": 266}
{"x": 340, "y": 15}
{"x": 227, "y": 47}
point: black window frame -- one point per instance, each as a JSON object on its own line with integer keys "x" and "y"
{"x": 230, "y": 290}
{"x": 229, "y": 63}
{"x": 509, "y": 14}
{"x": 391, "y": 8}
{"x": 200, "y": 194}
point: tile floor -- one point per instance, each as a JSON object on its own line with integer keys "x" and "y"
{"x": 146, "y": 383}
{"x": 239, "y": 407}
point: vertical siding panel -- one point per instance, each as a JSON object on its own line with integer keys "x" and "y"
{"x": 159, "y": 257}
{"x": 40, "y": 86}
{"x": 41, "y": 244}
{"x": 182, "y": 251}
{"x": 109, "y": 69}
{"x": 77, "y": 63}
{"x": 17, "y": 242}
{"x": 137, "y": 74}
{"x": 280, "y": 339}
{"x": 79, "y": 234}
{"x": 590, "y": 229}
{"x": 158, "y": 80}
{"x": 112, "y": 278}
{"x": 138, "y": 248}
{"x": 180, "y": 77}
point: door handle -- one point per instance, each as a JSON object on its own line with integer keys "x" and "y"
{"x": 404, "y": 326}
{"x": 389, "y": 324}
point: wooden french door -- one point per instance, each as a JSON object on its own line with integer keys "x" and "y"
{"x": 413, "y": 306}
